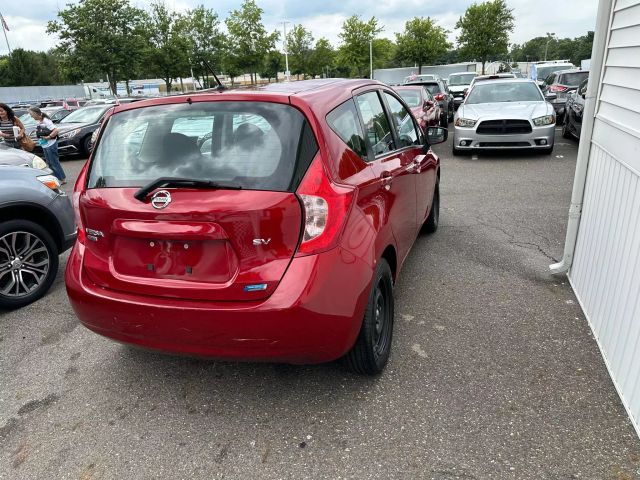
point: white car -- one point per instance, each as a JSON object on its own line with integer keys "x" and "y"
{"x": 508, "y": 113}
{"x": 16, "y": 157}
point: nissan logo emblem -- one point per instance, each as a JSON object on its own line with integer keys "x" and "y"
{"x": 161, "y": 199}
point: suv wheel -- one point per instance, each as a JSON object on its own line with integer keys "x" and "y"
{"x": 28, "y": 263}
{"x": 565, "y": 130}
{"x": 371, "y": 351}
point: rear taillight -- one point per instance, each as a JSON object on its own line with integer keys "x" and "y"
{"x": 325, "y": 209}
{"x": 439, "y": 97}
{"x": 78, "y": 190}
{"x": 558, "y": 88}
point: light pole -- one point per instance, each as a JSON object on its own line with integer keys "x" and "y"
{"x": 546, "y": 48}
{"x": 371, "y": 59}
{"x": 286, "y": 52}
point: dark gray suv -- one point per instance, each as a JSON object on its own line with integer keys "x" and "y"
{"x": 559, "y": 85}
{"x": 36, "y": 225}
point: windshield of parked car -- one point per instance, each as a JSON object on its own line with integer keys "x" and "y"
{"x": 573, "y": 79}
{"x": 412, "y": 97}
{"x": 495, "y": 92}
{"x": 28, "y": 121}
{"x": 544, "y": 72}
{"x": 461, "y": 79}
{"x": 85, "y": 115}
{"x": 254, "y": 145}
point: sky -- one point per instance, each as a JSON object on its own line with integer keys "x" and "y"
{"x": 27, "y": 19}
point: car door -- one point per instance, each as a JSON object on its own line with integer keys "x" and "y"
{"x": 411, "y": 143}
{"x": 392, "y": 168}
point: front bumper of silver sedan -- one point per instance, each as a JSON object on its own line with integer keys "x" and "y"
{"x": 469, "y": 139}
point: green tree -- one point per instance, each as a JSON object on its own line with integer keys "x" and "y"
{"x": 207, "y": 41}
{"x": 322, "y": 58}
{"x": 168, "y": 51}
{"x": 272, "y": 64}
{"x": 299, "y": 42}
{"x": 484, "y": 30}
{"x": 422, "y": 41}
{"x": 249, "y": 39}
{"x": 98, "y": 37}
{"x": 353, "y": 54}
{"x": 385, "y": 53}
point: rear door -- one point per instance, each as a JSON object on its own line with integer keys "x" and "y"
{"x": 202, "y": 244}
{"x": 392, "y": 167}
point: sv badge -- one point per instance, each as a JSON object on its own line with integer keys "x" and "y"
{"x": 261, "y": 241}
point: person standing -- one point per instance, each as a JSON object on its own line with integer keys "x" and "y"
{"x": 8, "y": 121}
{"x": 47, "y": 134}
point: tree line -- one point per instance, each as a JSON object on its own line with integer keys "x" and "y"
{"x": 114, "y": 40}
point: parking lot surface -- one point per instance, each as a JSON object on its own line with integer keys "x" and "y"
{"x": 494, "y": 372}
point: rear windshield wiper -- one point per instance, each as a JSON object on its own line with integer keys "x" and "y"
{"x": 181, "y": 182}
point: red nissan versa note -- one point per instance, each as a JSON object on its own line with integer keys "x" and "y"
{"x": 255, "y": 225}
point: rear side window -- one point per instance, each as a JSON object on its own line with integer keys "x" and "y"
{"x": 255, "y": 145}
{"x": 344, "y": 121}
{"x": 433, "y": 88}
{"x": 377, "y": 129}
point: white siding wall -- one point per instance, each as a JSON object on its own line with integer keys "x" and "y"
{"x": 606, "y": 268}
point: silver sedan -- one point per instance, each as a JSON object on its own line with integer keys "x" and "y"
{"x": 504, "y": 114}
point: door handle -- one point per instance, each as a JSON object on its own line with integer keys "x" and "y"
{"x": 387, "y": 179}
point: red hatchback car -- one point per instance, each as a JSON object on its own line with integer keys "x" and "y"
{"x": 254, "y": 225}
{"x": 422, "y": 104}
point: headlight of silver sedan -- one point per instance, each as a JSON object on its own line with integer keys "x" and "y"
{"x": 70, "y": 133}
{"x": 546, "y": 120}
{"x": 465, "y": 122}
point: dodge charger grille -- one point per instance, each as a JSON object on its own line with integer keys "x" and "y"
{"x": 504, "y": 127}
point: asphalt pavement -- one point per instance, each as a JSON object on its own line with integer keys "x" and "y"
{"x": 494, "y": 373}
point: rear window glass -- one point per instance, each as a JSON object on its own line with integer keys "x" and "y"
{"x": 255, "y": 145}
{"x": 432, "y": 88}
{"x": 412, "y": 97}
{"x": 573, "y": 79}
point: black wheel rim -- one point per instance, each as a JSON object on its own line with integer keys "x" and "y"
{"x": 24, "y": 264}
{"x": 381, "y": 318}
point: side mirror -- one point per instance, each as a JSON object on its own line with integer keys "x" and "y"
{"x": 436, "y": 135}
{"x": 551, "y": 96}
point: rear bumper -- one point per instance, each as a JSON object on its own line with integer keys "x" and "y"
{"x": 313, "y": 316}
{"x": 539, "y": 138}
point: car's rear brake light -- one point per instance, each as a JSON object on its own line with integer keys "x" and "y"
{"x": 325, "y": 209}
{"x": 558, "y": 88}
{"x": 439, "y": 97}
{"x": 78, "y": 190}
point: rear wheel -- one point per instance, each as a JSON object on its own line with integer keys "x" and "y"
{"x": 371, "y": 351}
{"x": 451, "y": 113}
{"x": 28, "y": 263}
{"x": 565, "y": 130}
{"x": 431, "y": 223}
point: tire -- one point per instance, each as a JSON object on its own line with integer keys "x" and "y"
{"x": 443, "y": 121}
{"x": 565, "y": 130}
{"x": 370, "y": 353}
{"x": 23, "y": 236}
{"x": 456, "y": 152}
{"x": 451, "y": 114}
{"x": 431, "y": 223}
{"x": 86, "y": 146}
{"x": 547, "y": 151}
